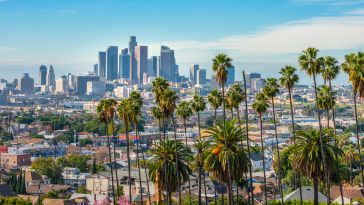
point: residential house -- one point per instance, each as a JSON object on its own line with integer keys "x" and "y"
{"x": 9, "y": 161}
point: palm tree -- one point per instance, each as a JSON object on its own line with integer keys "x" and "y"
{"x": 198, "y": 105}
{"x": 235, "y": 96}
{"x": 106, "y": 110}
{"x": 215, "y": 100}
{"x": 125, "y": 110}
{"x": 220, "y": 64}
{"x": 353, "y": 67}
{"x": 247, "y": 139}
{"x": 312, "y": 65}
{"x": 137, "y": 104}
{"x": 184, "y": 111}
{"x": 350, "y": 155}
{"x": 325, "y": 101}
{"x": 159, "y": 85}
{"x": 260, "y": 106}
{"x": 307, "y": 155}
{"x": 216, "y": 153}
{"x": 164, "y": 160}
{"x": 168, "y": 106}
{"x": 271, "y": 89}
{"x": 288, "y": 79}
{"x": 200, "y": 145}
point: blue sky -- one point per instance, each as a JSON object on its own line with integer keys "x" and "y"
{"x": 260, "y": 35}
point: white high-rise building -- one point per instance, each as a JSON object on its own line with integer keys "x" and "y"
{"x": 95, "y": 88}
{"x": 62, "y": 85}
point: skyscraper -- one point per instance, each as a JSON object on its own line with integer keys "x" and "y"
{"x": 193, "y": 73}
{"x": 141, "y": 59}
{"x": 102, "y": 65}
{"x": 96, "y": 69}
{"x": 168, "y": 64}
{"x": 124, "y": 63}
{"x": 26, "y": 84}
{"x": 112, "y": 63}
{"x": 231, "y": 76}
{"x": 43, "y": 75}
{"x": 62, "y": 84}
{"x": 249, "y": 77}
{"x": 81, "y": 83}
{"x": 132, "y": 44}
{"x": 153, "y": 66}
{"x": 201, "y": 76}
{"x": 51, "y": 78}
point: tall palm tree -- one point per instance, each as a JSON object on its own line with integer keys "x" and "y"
{"x": 236, "y": 96}
{"x": 307, "y": 155}
{"x": 184, "y": 111}
{"x": 350, "y": 155}
{"x": 271, "y": 89}
{"x": 247, "y": 139}
{"x": 220, "y": 64}
{"x": 198, "y": 105}
{"x": 137, "y": 104}
{"x": 215, "y": 100}
{"x": 159, "y": 85}
{"x": 164, "y": 160}
{"x": 325, "y": 100}
{"x": 260, "y": 106}
{"x": 106, "y": 110}
{"x": 168, "y": 106}
{"x": 125, "y": 112}
{"x": 288, "y": 79}
{"x": 216, "y": 153}
{"x": 353, "y": 67}
{"x": 312, "y": 65}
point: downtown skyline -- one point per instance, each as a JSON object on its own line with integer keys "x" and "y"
{"x": 62, "y": 36}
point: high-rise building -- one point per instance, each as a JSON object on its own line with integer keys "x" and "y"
{"x": 124, "y": 63}
{"x": 257, "y": 84}
{"x": 102, "y": 65}
{"x": 132, "y": 44}
{"x": 214, "y": 83}
{"x": 193, "y": 73}
{"x": 112, "y": 63}
{"x": 71, "y": 81}
{"x": 153, "y": 66}
{"x": 51, "y": 78}
{"x": 249, "y": 77}
{"x": 168, "y": 64}
{"x": 43, "y": 75}
{"x": 201, "y": 76}
{"x": 231, "y": 76}
{"x": 95, "y": 88}
{"x": 96, "y": 69}
{"x": 62, "y": 84}
{"x": 26, "y": 84}
{"x": 81, "y": 83}
{"x": 141, "y": 58}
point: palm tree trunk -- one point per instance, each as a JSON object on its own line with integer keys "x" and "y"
{"x": 241, "y": 142}
{"x": 215, "y": 114}
{"x": 334, "y": 127}
{"x": 279, "y": 159}
{"x": 328, "y": 118}
{"x": 297, "y": 176}
{"x": 315, "y": 191}
{"x": 158, "y": 189}
{"x": 262, "y": 150}
{"x": 146, "y": 176}
{"x": 165, "y": 157}
{"x": 200, "y": 167}
{"x": 177, "y": 169}
{"x": 229, "y": 188}
{"x": 116, "y": 171}
{"x": 128, "y": 156}
{"x": 110, "y": 161}
{"x": 138, "y": 162}
{"x": 321, "y": 144}
{"x": 358, "y": 139}
{"x": 199, "y": 172}
{"x": 247, "y": 140}
{"x": 189, "y": 180}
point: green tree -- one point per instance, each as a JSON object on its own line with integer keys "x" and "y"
{"x": 308, "y": 159}
{"x": 260, "y": 106}
{"x": 106, "y": 110}
{"x": 47, "y": 166}
{"x": 220, "y": 64}
{"x": 164, "y": 158}
{"x": 215, "y": 100}
{"x": 325, "y": 101}
{"x": 271, "y": 89}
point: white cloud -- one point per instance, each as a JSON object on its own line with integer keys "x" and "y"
{"x": 325, "y": 33}
{"x": 330, "y": 2}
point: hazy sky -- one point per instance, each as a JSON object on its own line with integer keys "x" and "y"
{"x": 260, "y": 35}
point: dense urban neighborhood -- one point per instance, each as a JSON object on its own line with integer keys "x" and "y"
{"x": 163, "y": 139}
